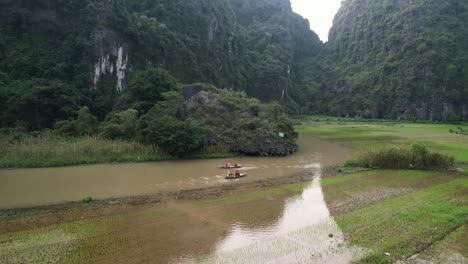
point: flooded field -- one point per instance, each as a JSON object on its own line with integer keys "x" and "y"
{"x": 35, "y": 187}
{"x": 303, "y": 232}
{"x": 378, "y": 216}
{"x": 287, "y": 224}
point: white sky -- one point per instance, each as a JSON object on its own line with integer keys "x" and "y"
{"x": 320, "y": 14}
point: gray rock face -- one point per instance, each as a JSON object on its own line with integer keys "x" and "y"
{"x": 112, "y": 54}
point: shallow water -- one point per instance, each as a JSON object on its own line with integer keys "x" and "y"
{"x": 35, "y": 187}
{"x": 299, "y": 235}
{"x": 265, "y": 229}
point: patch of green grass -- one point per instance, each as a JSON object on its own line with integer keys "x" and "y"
{"x": 441, "y": 250}
{"x": 338, "y": 180}
{"x": 87, "y": 199}
{"x": 17, "y": 212}
{"x": 465, "y": 168}
{"x": 375, "y": 134}
{"x": 262, "y": 194}
{"x": 74, "y": 242}
{"x": 51, "y": 150}
{"x": 406, "y": 225}
{"x": 339, "y": 189}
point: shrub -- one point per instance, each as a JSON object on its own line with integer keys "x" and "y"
{"x": 121, "y": 125}
{"x": 149, "y": 86}
{"x": 161, "y": 127}
{"x": 86, "y": 124}
{"x": 112, "y": 131}
{"x": 418, "y": 157}
{"x": 87, "y": 199}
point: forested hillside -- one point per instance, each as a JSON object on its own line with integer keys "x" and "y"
{"x": 399, "y": 59}
{"x": 56, "y": 56}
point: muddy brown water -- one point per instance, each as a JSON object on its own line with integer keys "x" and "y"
{"x": 36, "y": 187}
{"x": 281, "y": 228}
{"x": 273, "y": 229}
{"x": 299, "y": 234}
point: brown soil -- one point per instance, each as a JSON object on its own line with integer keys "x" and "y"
{"x": 366, "y": 198}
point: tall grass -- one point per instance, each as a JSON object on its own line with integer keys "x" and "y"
{"x": 47, "y": 149}
{"x": 417, "y": 156}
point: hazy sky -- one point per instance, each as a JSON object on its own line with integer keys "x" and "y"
{"x": 319, "y": 12}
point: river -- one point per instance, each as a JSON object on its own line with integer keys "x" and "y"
{"x": 37, "y": 187}
{"x": 248, "y": 228}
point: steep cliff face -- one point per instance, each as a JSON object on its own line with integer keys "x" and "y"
{"x": 399, "y": 59}
{"x": 252, "y": 46}
{"x": 277, "y": 43}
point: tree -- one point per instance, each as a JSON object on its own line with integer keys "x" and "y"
{"x": 41, "y": 103}
{"x": 86, "y": 124}
{"x": 148, "y": 87}
{"x": 161, "y": 127}
{"x": 121, "y": 125}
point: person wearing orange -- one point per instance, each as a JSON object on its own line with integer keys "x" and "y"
{"x": 237, "y": 173}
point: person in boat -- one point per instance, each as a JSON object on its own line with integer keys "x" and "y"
{"x": 226, "y": 164}
{"x": 229, "y": 174}
{"x": 237, "y": 173}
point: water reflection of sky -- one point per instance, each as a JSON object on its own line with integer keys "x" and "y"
{"x": 301, "y": 235}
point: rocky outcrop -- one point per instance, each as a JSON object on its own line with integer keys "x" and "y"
{"x": 112, "y": 58}
{"x": 243, "y": 124}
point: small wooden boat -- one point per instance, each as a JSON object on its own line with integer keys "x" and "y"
{"x": 233, "y": 177}
{"x": 231, "y": 167}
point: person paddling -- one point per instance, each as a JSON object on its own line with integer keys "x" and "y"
{"x": 237, "y": 173}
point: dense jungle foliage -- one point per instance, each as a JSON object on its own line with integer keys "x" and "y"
{"x": 112, "y": 68}
{"x": 398, "y": 59}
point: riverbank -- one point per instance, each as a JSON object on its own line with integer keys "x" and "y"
{"x": 399, "y": 212}
{"x": 48, "y": 149}
{"x": 371, "y": 135}
{"x": 11, "y": 220}
{"x": 402, "y": 216}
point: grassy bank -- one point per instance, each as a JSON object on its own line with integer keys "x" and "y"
{"x": 370, "y": 135}
{"x": 416, "y": 157}
{"x": 401, "y": 213}
{"x": 51, "y": 150}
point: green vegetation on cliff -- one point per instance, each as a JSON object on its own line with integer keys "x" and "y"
{"x": 393, "y": 59}
{"x": 154, "y": 121}
{"x": 86, "y": 53}
{"x": 404, "y": 59}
